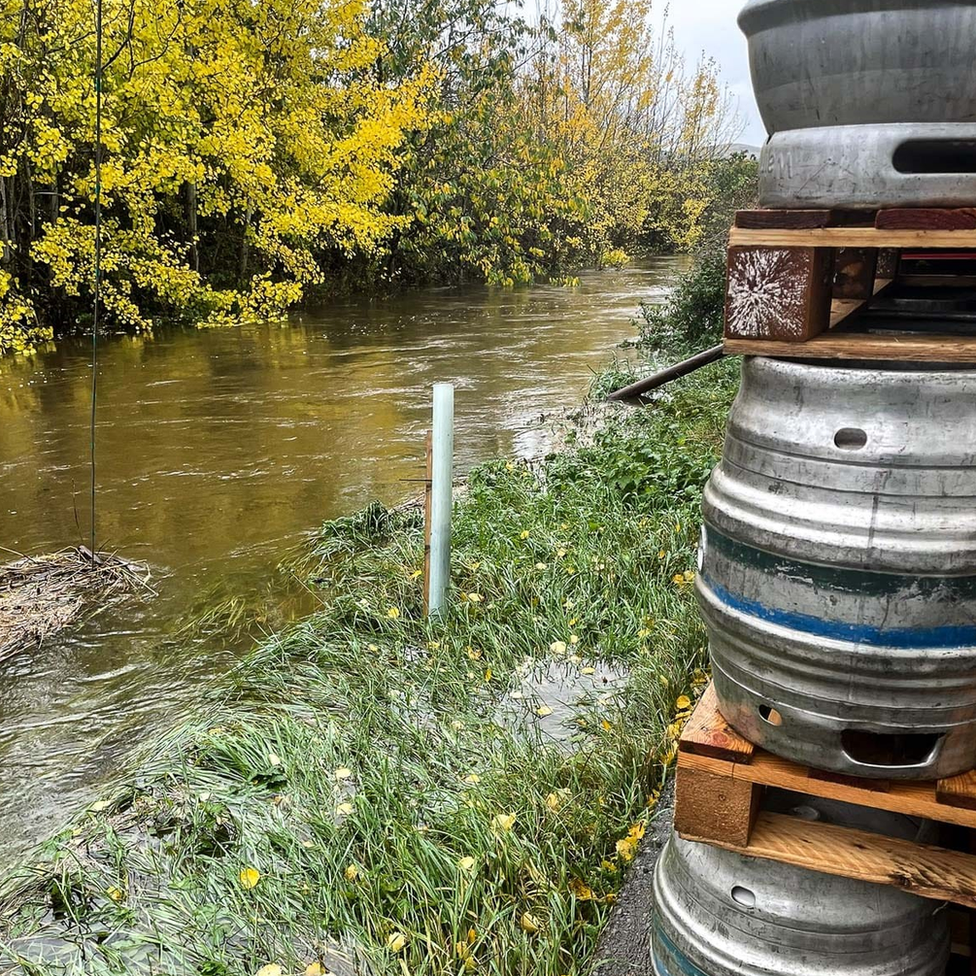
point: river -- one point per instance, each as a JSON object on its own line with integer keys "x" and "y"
{"x": 218, "y": 451}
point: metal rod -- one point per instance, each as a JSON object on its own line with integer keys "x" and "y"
{"x": 667, "y": 375}
{"x": 441, "y": 498}
{"x": 99, "y": 80}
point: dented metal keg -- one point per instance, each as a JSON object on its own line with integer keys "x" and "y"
{"x": 718, "y": 913}
{"x": 838, "y": 566}
{"x": 868, "y": 103}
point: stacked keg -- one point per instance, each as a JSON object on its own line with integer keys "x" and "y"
{"x": 837, "y": 570}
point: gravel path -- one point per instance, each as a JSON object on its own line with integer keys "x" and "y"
{"x": 624, "y": 948}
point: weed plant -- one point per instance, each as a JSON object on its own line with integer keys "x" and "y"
{"x": 382, "y": 792}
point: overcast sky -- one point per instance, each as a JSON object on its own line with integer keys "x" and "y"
{"x": 709, "y": 26}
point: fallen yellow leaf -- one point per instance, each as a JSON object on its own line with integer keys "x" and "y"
{"x": 396, "y": 941}
{"x": 342, "y": 773}
{"x": 315, "y": 969}
{"x": 503, "y": 821}
{"x": 556, "y": 799}
{"x": 587, "y": 670}
{"x": 345, "y": 809}
{"x": 529, "y": 923}
{"x": 682, "y": 703}
{"x": 249, "y": 877}
{"x": 558, "y": 647}
{"x": 472, "y": 778}
{"x": 626, "y": 849}
{"x": 115, "y": 893}
{"x": 543, "y": 710}
{"x": 272, "y": 969}
{"x": 582, "y": 891}
{"x": 351, "y": 872}
{"x": 466, "y": 864}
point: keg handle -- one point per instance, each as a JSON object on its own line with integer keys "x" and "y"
{"x": 935, "y": 157}
{"x": 891, "y": 753}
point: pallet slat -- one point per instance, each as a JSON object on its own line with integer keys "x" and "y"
{"x": 706, "y": 733}
{"x": 932, "y": 872}
{"x": 833, "y": 237}
{"x": 901, "y": 347}
{"x": 950, "y": 800}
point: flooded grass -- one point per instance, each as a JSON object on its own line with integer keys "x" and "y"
{"x": 378, "y": 793}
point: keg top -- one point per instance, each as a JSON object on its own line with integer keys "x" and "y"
{"x": 760, "y": 14}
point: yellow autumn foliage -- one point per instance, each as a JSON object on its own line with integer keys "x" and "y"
{"x": 252, "y": 154}
{"x": 238, "y": 141}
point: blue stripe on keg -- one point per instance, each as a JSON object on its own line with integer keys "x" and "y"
{"x": 685, "y": 967}
{"x": 898, "y": 637}
{"x": 945, "y": 589}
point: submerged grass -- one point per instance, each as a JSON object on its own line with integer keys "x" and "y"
{"x": 380, "y": 793}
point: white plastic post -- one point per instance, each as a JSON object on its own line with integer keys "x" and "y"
{"x": 441, "y": 497}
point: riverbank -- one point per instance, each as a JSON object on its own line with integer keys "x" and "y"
{"x": 422, "y": 798}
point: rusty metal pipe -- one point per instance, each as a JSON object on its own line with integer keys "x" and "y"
{"x": 665, "y": 376}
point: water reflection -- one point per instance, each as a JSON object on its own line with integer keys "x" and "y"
{"x": 217, "y": 451}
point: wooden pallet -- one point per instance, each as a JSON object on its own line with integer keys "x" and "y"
{"x": 720, "y": 782}
{"x": 798, "y": 281}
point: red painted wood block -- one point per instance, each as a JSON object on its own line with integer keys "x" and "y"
{"x": 780, "y": 293}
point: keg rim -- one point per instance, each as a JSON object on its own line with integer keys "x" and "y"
{"x": 759, "y": 15}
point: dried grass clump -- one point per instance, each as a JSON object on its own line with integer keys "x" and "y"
{"x": 41, "y": 595}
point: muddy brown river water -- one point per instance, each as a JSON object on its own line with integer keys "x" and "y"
{"x": 218, "y": 451}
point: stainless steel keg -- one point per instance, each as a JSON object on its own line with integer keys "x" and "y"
{"x": 838, "y": 566}
{"x": 720, "y": 914}
{"x": 868, "y": 103}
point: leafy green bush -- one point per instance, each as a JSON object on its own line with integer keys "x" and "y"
{"x": 691, "y": 318}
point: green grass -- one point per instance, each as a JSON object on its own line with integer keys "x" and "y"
{"x": 397, "y": 788}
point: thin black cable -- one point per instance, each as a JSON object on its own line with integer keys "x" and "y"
{"x": 98, "y": 257}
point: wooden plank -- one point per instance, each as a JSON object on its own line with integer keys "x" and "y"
{"x": 831, "y": 345}
{"x": 959, "y": 930}
{"x": 779, "y": 293}
{"x": 958, "y": 791}
{"x": 888, "y": 260}
{"x": 914, "y": 799}
{"x": 932, "y": 872}
{"x": 853, "y": 237}
{"x": 783, "y": 219}
{"x": 841, "y": 309}
{"x": 707, "y": 733}
{"x": 937, "y": 281}
{"x": 714, "y": 806}
{"x": 875, "y": 785}
{"x": 946, "y": 218}
{"x": 854, "y": 272}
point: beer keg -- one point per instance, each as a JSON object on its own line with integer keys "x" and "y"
{"x": 868, "y": 103}
{"x": 838, "y": 566}
{"x": 718, "y": 913}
